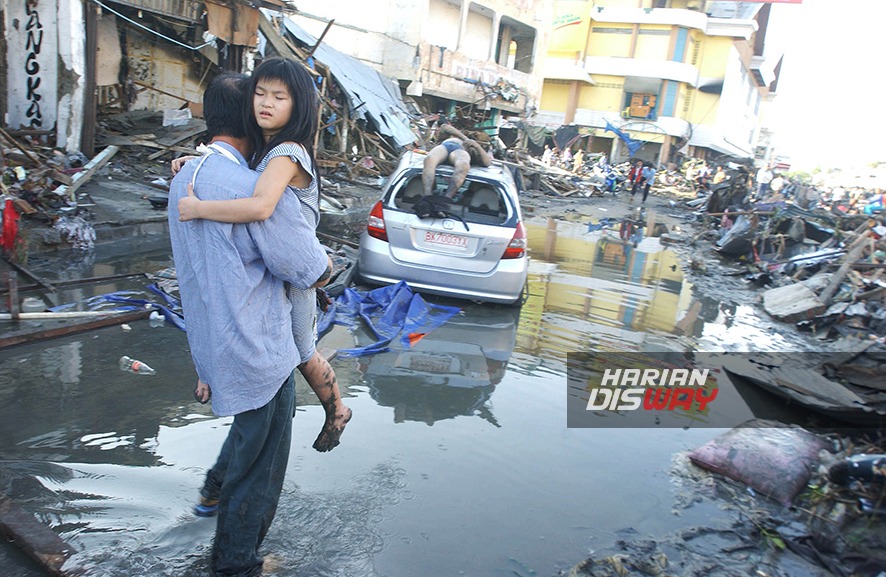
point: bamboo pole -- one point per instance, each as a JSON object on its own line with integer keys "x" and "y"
{"x": 56, "y": 315}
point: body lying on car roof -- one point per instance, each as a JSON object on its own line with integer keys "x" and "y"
{"x": 472, "y": 247}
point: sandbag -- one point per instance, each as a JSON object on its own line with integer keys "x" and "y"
{"x": 773, "y": 459}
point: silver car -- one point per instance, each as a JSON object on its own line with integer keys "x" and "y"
{"x": 475, "y": 249}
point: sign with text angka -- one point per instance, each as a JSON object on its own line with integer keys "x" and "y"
{"x": 32, "y": 64}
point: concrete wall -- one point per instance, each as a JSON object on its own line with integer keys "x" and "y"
{"x": 653, "y": 43}
{"x": 609, "y": 40}
{"x": 477, "y": 41}
{"x": 446, "y": 18}
{"x": 607, "y": 94}
{"x": 72, "y": 75}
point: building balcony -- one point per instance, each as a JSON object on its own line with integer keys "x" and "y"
{"x": 660, "y": 69}
{"x": 663, "y": 125}
{"x": 453, "y": 75}
{"x": 733, "y": 27}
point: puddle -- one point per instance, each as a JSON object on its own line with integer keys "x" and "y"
{"x": 593, "y": 291}
{"x": 457, "y": 444}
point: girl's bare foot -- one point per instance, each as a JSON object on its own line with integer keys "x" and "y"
{"x": 334, "y": 426}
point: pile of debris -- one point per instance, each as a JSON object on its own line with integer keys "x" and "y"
{"x": 821, "y": 269}
{"x": 43, "y": 183}
{"x": 591, "y": 180}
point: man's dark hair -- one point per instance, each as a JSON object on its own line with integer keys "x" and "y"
{"x": 223, "y": 104}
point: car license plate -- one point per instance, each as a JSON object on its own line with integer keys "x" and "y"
{"x": 426, "y": 363}
{"x": 446, "y": 239}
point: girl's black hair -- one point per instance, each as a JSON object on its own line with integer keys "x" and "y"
{"x": 302, "y": 125}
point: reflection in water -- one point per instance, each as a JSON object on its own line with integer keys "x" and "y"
{"x": 593, "y": 291}
{"x": 78, "y": 402}
{"x": 451, "y": 372}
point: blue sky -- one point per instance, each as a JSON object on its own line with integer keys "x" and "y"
{"x": 828, "y": 113}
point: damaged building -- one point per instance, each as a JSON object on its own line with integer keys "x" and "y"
{"x": 69, "y": 64}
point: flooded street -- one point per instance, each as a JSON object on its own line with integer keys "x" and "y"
{"x": 458, "y": 460}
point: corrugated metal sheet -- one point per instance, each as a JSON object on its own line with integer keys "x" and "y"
{"x": 373, "y": 96}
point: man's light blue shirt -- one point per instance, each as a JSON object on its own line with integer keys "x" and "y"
{"x": 231, "y": 281}
{"x": 649, "y": 174}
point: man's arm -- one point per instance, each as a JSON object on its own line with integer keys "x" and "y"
{"x": 448, "y": 130}
{"x": 289, "y": 245}
{"x": 477, "y": 152}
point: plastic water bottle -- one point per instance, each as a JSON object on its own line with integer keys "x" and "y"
{"x": 134, "y": 366}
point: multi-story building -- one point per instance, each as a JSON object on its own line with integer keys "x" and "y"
{"x": 483, "y": 58}
{"x": 685, "y": 76}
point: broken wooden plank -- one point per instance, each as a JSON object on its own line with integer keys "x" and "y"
{"x": 42, "y": 282}
{"x": 82, "y": 281}
{"x": 155, "y": 89}
{"x": 149, "y": 144}
{"x": 61, "y": 177}
{"x": 14, "y": 307}
{"x": 278, "y": 42}
{"x": 792, "y": 303}
{"x": 852, "y": 255}
{"x": 322, "y": 36}
{"x": 131, "y": 140}
{"x": 71, "y": 328}
{"x": 18, "y": 145}
{"x": 23, "y": 206}
{"x": 165, "y": 150}
{"x": 550, "y": 187}
{"x": 88, "y": 171}
{"x": 34, "y": 538}
{"x": 194, "y": 127}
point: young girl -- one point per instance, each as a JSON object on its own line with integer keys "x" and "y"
{"x": 280, "y": 124}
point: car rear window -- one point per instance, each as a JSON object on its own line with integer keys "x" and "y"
{"x": 477, "y": 202}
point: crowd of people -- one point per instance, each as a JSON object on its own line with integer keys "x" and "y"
{"x": 764, "y": 185}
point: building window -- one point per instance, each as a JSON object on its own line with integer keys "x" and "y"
{"x": 640, "y": 106}
{"x": 516, "y": 45}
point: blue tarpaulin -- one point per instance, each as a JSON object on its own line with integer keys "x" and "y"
{"x": 633, "y": 145}
{"x": 391, "y": 313}
{"x": 124, "y": 301}
{"x": 604, "y": 223}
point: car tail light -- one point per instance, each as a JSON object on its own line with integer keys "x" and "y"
{"x": 517, "y": 246}
{"x": 376, "y": 225}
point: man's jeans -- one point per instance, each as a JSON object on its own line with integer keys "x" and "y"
{"x": 247, "y": 479}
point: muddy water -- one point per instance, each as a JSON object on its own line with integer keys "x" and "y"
{"x": 457, "y": 462}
